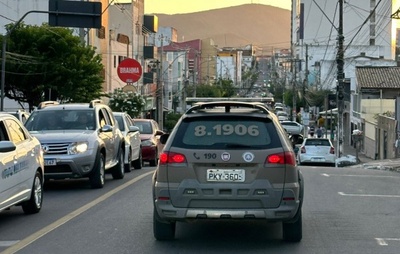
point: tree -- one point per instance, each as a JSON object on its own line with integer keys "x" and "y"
{"x": 129, "y": 102}
{"x": 46, "y": 62}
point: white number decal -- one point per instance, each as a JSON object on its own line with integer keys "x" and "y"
{"x": 227, "y": 129}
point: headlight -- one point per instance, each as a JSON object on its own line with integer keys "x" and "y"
{"x": 79, "y": 147}
{"x": 147, "y": 143}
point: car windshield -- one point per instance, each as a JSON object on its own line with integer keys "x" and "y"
{"x": 317, "y": 142}
{"x": 144, "y": 127}
{"x": 61, "y": 120}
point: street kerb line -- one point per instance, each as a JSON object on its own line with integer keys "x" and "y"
{"x": 35, "y": 236}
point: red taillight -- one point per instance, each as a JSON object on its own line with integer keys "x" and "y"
{"x": 302, "y": 149}
{"x": 281, "y": 158}
{"x": 332, "y": 151}
{"x": 171, "y": 157}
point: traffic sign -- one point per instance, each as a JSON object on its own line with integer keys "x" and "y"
{"x": 129, "y": 70}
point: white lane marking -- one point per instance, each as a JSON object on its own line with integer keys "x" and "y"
{"x": 384, "y": 241}
{"x": 7, "y": 243}
{"x": 35, "y": 236}
{"x": 328, "y": 175}
{"x": 368, "y": 195}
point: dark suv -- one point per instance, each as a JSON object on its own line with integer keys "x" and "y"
{"x": 79, "y": 140}
{"x": 227, "y": 160}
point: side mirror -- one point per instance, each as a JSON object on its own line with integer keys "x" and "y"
{"x": 164, "y": 138}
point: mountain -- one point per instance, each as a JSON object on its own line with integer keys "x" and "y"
{"x": 257, "y": 24}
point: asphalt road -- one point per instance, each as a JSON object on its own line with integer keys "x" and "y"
{"x": 346, "y": 210}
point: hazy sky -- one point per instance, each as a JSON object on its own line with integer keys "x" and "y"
{"x": 188, "y": 6}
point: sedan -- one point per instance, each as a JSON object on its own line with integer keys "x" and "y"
{"x": 150, "y": 135}
{"x": 317, "y": 151}
{"x": 133, "y": 147}
{"x": 22, "y": 167}
{"x": 292, "y": 127}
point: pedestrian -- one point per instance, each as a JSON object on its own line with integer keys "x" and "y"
{"x": 319, "y": 132}
{"x": 311, "y": 130}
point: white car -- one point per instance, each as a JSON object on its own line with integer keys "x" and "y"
{"x": 292, "y": 127}
{"x": 282, "y": 115}
{"x": 133, "y": 147}
{"x": 21, "y": 165}
{"x": 317, "y": 151}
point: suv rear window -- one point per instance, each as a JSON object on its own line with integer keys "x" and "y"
{"x": 231, "y": 132}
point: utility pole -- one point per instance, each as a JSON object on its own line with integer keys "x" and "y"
{"x": 294, "y": 111}
{"x": 160, "y": 88}
{"x": 305, "y": 84}
{"x": 340, "y": 81}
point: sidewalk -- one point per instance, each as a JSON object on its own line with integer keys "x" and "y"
{"x": 369, "y": 163}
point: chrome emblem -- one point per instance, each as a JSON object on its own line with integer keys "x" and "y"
{"x": 45, "y": 148}
{"x": 248, "y": 157}
{"x": 225, "y": 156}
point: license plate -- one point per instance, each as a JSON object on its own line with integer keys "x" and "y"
{"x": 225, "y": 175}
{"x": 50, "y": 162}
{"x": 318, "y": 159}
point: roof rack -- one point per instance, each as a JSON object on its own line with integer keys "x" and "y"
{"x": 228, "y": 105}
{"x": 44, "y": 104}
{"x": 94, "y": 102}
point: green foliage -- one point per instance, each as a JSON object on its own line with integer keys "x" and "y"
{"x": 226, "y": 87}
{"x": 170, "y": 120}
{"x": 129, "y": 102}
{"x": 44, "y": 59}
{"x": 205, "y": 91}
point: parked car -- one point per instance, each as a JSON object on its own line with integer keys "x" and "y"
{"x": 317, "y": 151}
{"x": 80, "y": 140}
{"x": 292, "y": 127}
{"x": 133, "y": 147}
{"x": 227, "y": 160}
{"x": 22, "y": 165}
{"x": 20, "y": 114}
{"x": 150, "y": 135}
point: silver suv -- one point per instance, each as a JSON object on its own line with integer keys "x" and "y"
{"x": 79, "y": 140}
{"x": 227, "y": 160}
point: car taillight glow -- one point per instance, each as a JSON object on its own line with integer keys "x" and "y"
{"x": 171, "y": 157}
{"x": 281, "y": 158}
{"x": 332, "y": 151}
{"x": 303, "y": 149}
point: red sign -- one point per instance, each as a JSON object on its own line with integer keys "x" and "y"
{"x": 129, "y": 70}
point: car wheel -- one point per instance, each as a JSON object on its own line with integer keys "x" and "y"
{"x": 118, "y": 172}
{"x": 163, "y": 231}
{"x": 137, "y": 164}
{"x": 127, "y": 166}
{"x": 293, "y": 231}
{"x": 34, "y": 204}
{"x": 97, "y": 178}
{"x": 154, "y": 161}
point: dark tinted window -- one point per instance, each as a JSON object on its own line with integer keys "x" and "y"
{"x": 217, "y": 133}
{"x": 120, "y": 122}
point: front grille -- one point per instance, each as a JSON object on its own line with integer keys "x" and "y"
{"x": 57, "y": 169}
{"x": 59, "y": 148}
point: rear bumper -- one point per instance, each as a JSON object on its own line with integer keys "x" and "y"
{"x": 170, "y": 213}
{"x": 246, "y": 207}
{"x": 148, "y": 153}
